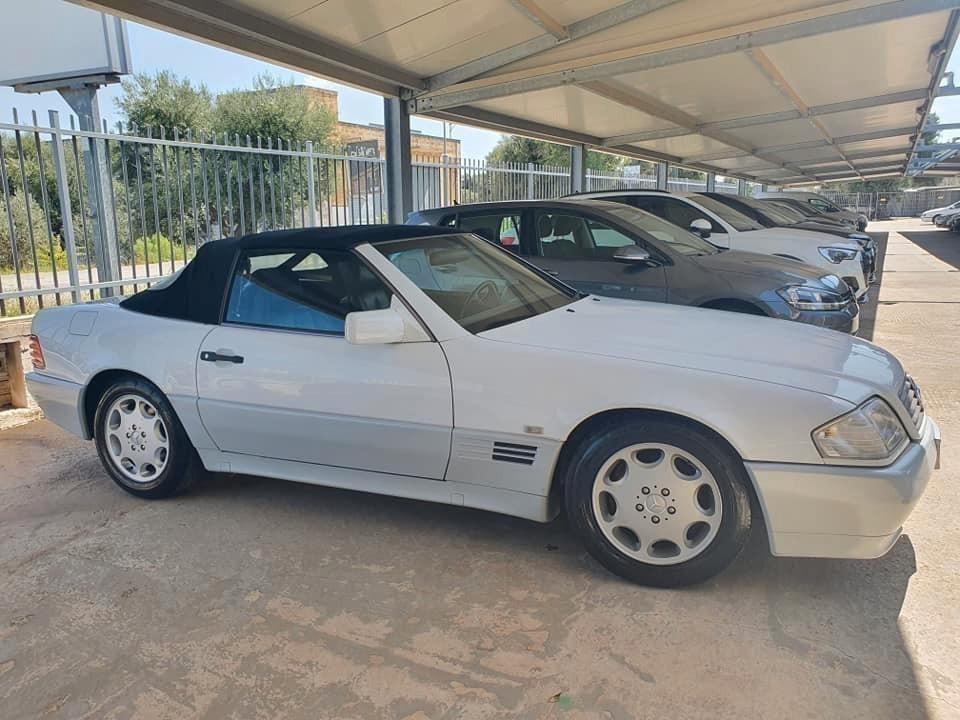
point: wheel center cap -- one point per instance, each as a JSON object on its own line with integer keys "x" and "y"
{"x": 656, "y": 504}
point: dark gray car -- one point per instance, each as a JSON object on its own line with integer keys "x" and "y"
{"x": 611, "y": 249}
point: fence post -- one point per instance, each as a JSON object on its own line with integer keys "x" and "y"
{"x": 311, "y": 187}
{"x": 66, "y": 211}
{"x": 711, "y": 182}
{"x": 531, "y": 182}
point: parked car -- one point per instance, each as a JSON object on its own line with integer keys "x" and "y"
{"x": 613, "y": 249}
{"x": 725, "y": 227}
{"x": 933, "y": 214}
{"x": 431, "y": 364}
{"x": 822, "y": 204}
{"x": 810, "y": 212}
{"x": 947, "y": 218}
{"x": 769, "y": 214}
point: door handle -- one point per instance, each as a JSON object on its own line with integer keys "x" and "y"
{"x": 209, "y": 356}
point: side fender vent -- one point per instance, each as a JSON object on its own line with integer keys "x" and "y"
{"x": 514, "y": 453}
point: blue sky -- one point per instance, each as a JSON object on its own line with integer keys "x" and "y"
{"x": 221, "y": 70}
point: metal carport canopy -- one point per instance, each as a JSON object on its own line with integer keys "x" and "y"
{"x": 782, "y": 93}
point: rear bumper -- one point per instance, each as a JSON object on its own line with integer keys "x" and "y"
{"x": 843, "y": 512}
{"x": 59, "y": 400}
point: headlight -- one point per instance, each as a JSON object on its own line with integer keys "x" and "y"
{"x": 870, "y": 432}
{"x": 811, "y": 297}
{"x": 837, "y": 255}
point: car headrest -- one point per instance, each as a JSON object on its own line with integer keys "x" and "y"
{"x": 564, "y": 224}
{"x": 544, "y": 226}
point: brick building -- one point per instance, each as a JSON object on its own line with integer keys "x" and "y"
{"x": 368, "y": 140}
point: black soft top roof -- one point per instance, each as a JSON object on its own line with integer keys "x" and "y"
{"x": 197, "y": 293}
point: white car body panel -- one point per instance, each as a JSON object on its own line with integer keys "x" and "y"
{"x": 384, "y": 408}
{"x": 481, "y": 420}
{"x": 804, "y": 245}
{"x": 929, "y": 215}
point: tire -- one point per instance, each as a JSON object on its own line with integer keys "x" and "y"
{"x": 936, "y": 219}
{"x": 630, "y": 537}
{"x": 135, "y": 411}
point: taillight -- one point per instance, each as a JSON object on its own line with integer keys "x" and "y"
{"x": 36, "y": 353}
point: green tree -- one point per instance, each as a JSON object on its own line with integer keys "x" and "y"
{"x": 165, "y": 100}
{"x": 516, "y": 149}
{"x": 272, "y": 109}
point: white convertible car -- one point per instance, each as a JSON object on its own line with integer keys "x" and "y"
{"x": 430, "y": 364}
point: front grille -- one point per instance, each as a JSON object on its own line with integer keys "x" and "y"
{"x": 912, "y": 400}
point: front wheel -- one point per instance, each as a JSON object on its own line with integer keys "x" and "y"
{"x": 658, "y": 502}
{"x": 141, "y": 443}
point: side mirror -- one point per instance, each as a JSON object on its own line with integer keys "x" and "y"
{"x": 383, "y": 327}
{"x": 633, "y": 254}
{"x": 701, "y": 227}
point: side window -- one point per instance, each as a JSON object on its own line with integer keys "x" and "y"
{"x": 571, "y": 237}
{"x": 674, "y": 211}
{"x": 822, "y": 206}
{"x": 302, "y": 290}
{"x": 499, "y": 228}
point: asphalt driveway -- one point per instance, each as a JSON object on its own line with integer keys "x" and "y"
{"x": 252, "y": 598}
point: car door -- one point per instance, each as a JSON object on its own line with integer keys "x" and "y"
{"x": 579, "y": 248}
{"x": 277, "y": 379}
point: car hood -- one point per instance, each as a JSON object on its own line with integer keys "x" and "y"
{"x": 780, "y": 271}
{"x": 785, "y": 353}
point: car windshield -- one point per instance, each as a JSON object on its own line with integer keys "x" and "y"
{"x": 475, "y": 282}
{"x": 794, "y": 215}
{"x": 660, "y": 231}
{"x": 776, "y": 213}
{"x": 737, "y": 220}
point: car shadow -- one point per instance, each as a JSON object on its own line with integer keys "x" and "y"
{"x": 868, "y": 310}
{"x": 821, "y": 635}
{"x": 941, "y": 243}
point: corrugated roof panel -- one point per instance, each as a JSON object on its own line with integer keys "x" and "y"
{"x": 571, "y": 107}
{"x": 864, "y": 61}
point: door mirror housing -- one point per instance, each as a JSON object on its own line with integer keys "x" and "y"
{"x": 633, "y": 254}
{"x": 701, "y": 227}
{"x": 391, "y": 326}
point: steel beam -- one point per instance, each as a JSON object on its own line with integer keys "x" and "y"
{"x": 399, "y": 169}
{"x": 809, "y": 144}
{"x": 776, "y": 78}
{"x": 595, "y": 23}
{"x": 663, "y": 170}
{"x": 542, "y": 18}
{"x": 937, "y": 62}
{"x": 598, "y": 68}
{"x": 235, "y": 29}
{"x": 772, "y": 118}
{"x": 578, "y": 168}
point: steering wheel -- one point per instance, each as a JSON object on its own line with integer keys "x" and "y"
{"x": 482, "y": 293}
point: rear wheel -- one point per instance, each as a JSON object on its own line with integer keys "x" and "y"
{"x": 658, "y": 502}
{"x": 141, "y": 443}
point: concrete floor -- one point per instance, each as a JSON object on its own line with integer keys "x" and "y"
{"x": 251, "y": 598}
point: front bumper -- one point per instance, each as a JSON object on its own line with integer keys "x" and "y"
{"x": 59, "y": 400}
{"x": 843, "y": 512}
